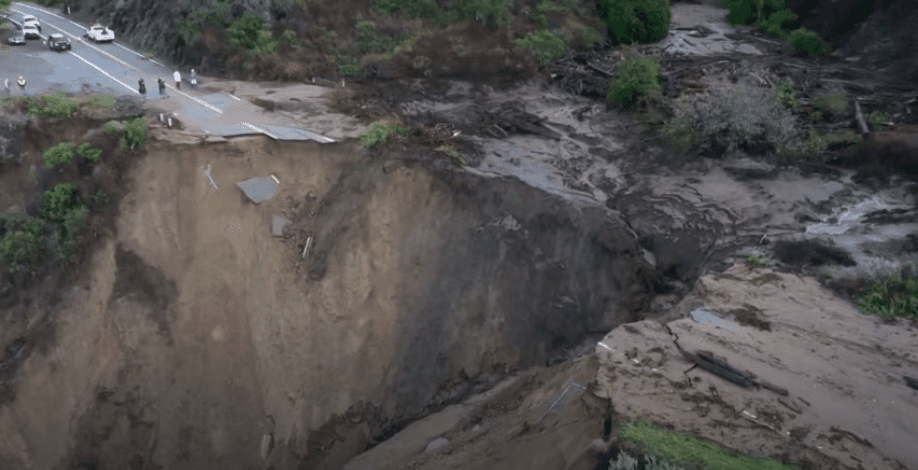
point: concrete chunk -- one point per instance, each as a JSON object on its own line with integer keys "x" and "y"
{"x": 279, "y": 225}
{"x": 260, "y": 189}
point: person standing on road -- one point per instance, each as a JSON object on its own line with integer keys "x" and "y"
{"x": 194, "y": 79}
{"x": 22, "y": 84}
{"x": 162, "y": 85}
{"x": 142, "y": 88}
{"x": 178, "y": 80}
{"x": 6, "y": 84}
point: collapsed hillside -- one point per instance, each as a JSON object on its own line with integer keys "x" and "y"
{"x": 194, "y": 324}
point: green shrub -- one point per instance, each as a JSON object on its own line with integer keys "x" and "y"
{"x": 890, "y": 296}
{"x": 21, "y": 247}
{"x": 113, "y": 127}
{"x": 56, "y": 105}
{"x": 877, "y": 118}
{"x": 815, "y": 144}
{"x": 742, "y": 11}
{"x": 409, "y": 8}
{"x": 250, "y": 35}
{"x": 630, "y": 21}
{"x": 89, "y": 152}
{"x": 786, "y": 95}
{"x": 689, "y": 451}
{"x": 637, "y": 77}
{"x": 546, "y": 45}
{"x": 379, "y": 132}
{"x": 755, "y": 261}
{"x": 774, "y": 25}
{"x": 135, "y": 131}
{"x": 495, "y": 13}
{"x": 215, "y": 14}
{"x": 586, "y": 36}
{"x": 832, "y": 103}
{"x": 289, "y": 37}
{"x": 750, "y": 11}
{"x": 735, "y": 117}
{"x": 807, "y": 42}
{"x": 63, "y": 241}
{"x": 347, "y": 65}
{"x": 59, "y": 200}
{"x": 58, "y": 154}
{"x": 369, "y": 41}
{"x": 624, "y": 461}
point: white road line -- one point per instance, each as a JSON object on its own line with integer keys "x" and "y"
{"x": 235, "y": 97}
{"x": 157, "y": 63}
{"x": 49, "y": 13}
{"x": 103, "y": 72}
{"x": 258, "y": 129}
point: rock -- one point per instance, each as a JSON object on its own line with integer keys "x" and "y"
{"x": 437, "y": 445}
{"x": 98, "y": 172}
{"x": 279, "y": 225}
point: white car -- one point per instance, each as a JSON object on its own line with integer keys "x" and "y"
{"x": 99, "y": 33}
{"x": 30, "y": 32}
{"x": 28, "y": 20}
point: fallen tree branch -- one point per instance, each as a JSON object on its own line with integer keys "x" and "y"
{"x": 859, "y": 115}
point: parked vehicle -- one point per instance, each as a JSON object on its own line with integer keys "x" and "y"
{"x": 16, "y": 37}
{"x": 99, "y": 33}
{"x": 58, "y": 42}
{"x": 31, "y": 20}
{"x": 30, "y": 32}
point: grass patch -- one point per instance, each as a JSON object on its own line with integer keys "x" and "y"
{"x": 638, "y": 77}
{"x": 891, "y": 296}
{"x": 786, "y": 95}
{"x": 100, "y": 101}
{"x": 585, "y": 36}
{"x": 834, "y": 104}
{"x": 495, "y": 13}
{"x": 58, "y": 154}
{"x": 546, "y": 45}
{"x": 379, "y": 132}
{"x": 56, "y": 105}
{"x": 453, "y": 154}
{"x": 755, "y": 261}
{"x": 877, "y": 119}
{"x": 624, "y": 461}
{"x": 741, "y": 117}
{"x": 690, "y": 452}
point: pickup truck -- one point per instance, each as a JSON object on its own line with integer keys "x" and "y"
{"x": 30, "y": 32}
{"x": 31, "y": 20}
{"x": 99, "y": 33}
{"x": 58, "y": 42}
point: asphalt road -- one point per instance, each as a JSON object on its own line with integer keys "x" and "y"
{"x": 115, "y": 68}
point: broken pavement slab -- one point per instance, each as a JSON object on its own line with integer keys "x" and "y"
{"x": 842, "y": 371}
{"x": 260, "y": 189}
{"x": 279, "y": 225}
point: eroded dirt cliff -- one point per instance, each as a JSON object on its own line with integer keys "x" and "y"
{"x": 197, "y": 338}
